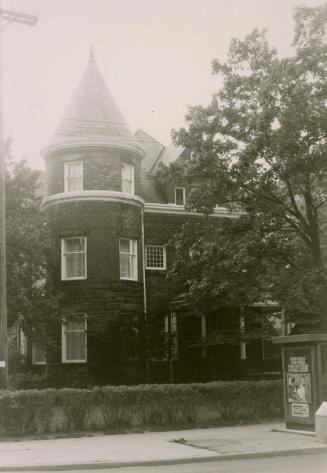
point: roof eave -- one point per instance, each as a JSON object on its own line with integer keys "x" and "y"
{"x": 90, "y": 143}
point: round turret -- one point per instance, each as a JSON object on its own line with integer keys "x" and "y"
{"x": 95, "y": 218}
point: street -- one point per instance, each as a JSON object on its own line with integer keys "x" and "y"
{"x": 316, "y": 463}
{"x": 298, "y": 464}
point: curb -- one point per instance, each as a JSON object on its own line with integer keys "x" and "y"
{"x": 215, "y": 458}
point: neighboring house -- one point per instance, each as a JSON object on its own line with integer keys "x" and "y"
{"x": 110, "y": 227}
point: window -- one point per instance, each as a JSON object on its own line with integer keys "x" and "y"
{"x": 128, "y": 259}
{"x": 155, "y": 257}
{"x": 73, "y": 258}
{"x": 22, "y": 342}
{"x": 180, "y": 195}
{"x": 38, "y": 353}
{"x": 74, "y": 341}
{"x": 127, "y": 177}
{"x": 73, "y": 171}
{"x": 171, "y": 333}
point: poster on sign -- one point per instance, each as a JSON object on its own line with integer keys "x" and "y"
{"x": 299, "y": 387}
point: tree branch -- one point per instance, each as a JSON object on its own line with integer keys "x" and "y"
{"x": 305, "y": 237}
{"x": 296, "y": 210}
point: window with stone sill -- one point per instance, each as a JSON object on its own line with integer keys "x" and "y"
{"x": 127, "y": 177}
{"x": 74, "y": 340}
{"x": 128, "y": 259}
{"x": 73, "y": 176}
{"x": 73, "y": 258}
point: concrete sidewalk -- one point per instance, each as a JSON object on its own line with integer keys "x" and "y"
{"x": 156, "y": 448}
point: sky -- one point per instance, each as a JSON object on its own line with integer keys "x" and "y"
{"x": 155, "y": 55}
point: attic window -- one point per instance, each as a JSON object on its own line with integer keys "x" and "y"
{"x": 180, "y": 195}
{"x": 73, "y": 171}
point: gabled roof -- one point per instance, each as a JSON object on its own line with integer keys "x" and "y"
{"x": 170, "y": 154}
{"x": 92, "y": 117}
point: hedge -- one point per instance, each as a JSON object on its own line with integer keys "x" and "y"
{"x": 110, "y": 407}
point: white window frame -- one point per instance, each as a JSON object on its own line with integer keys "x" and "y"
{"x": 64, "y": 341}
{"x": 129, "y": 182}
{"x": 183, "y": 189}
{"x": 132, "y": 253}
{"x": 67, "y": 179}
{"x": 34, "y": 346}
{"x": 153, "y": 268}
{"x": 63, "y": 259}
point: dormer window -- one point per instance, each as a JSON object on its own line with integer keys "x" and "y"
{"x": 127, "y": 177}
{"x": 180, "y": 195}
{"x": 73, "y": 171}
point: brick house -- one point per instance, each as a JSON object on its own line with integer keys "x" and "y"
{"x": 110, "y": 225}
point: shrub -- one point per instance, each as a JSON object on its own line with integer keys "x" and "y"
{"x": 33, "y": 411}
{"x": 26, "y": 380}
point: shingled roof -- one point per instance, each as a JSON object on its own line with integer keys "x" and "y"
{"x": 170, "y": 154}
{"x": 92, "y": 117}
{"x": 153, "y": 149}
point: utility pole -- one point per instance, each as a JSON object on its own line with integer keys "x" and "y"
{"x": 7, "y": 17}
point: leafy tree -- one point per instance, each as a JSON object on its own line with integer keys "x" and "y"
{"x": 26, "y": 238}
{"x": 260, "y": 148}
{"x": 32, "y": 301}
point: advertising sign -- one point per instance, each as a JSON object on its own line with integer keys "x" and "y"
{"x": 298, "y": 370}
{"x": 300, "y": 410}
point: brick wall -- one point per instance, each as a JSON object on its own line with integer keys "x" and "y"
{"x": 114, "y": 307}
{"x": 103, "y": 223}
{"x": 101, "y": 169}
{"x": 114, "y": 334}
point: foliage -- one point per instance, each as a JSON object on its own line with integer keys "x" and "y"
{"x": 26, "y": 381}
{"x": 224, "y": 267}
{"x": 111, "y": 407}
{"x": 32, "y": 301}
{"x": 260, "y": 148}
{"x": 25, "y": 233}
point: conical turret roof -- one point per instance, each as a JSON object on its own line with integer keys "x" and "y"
{"x": 92, "y": 117}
